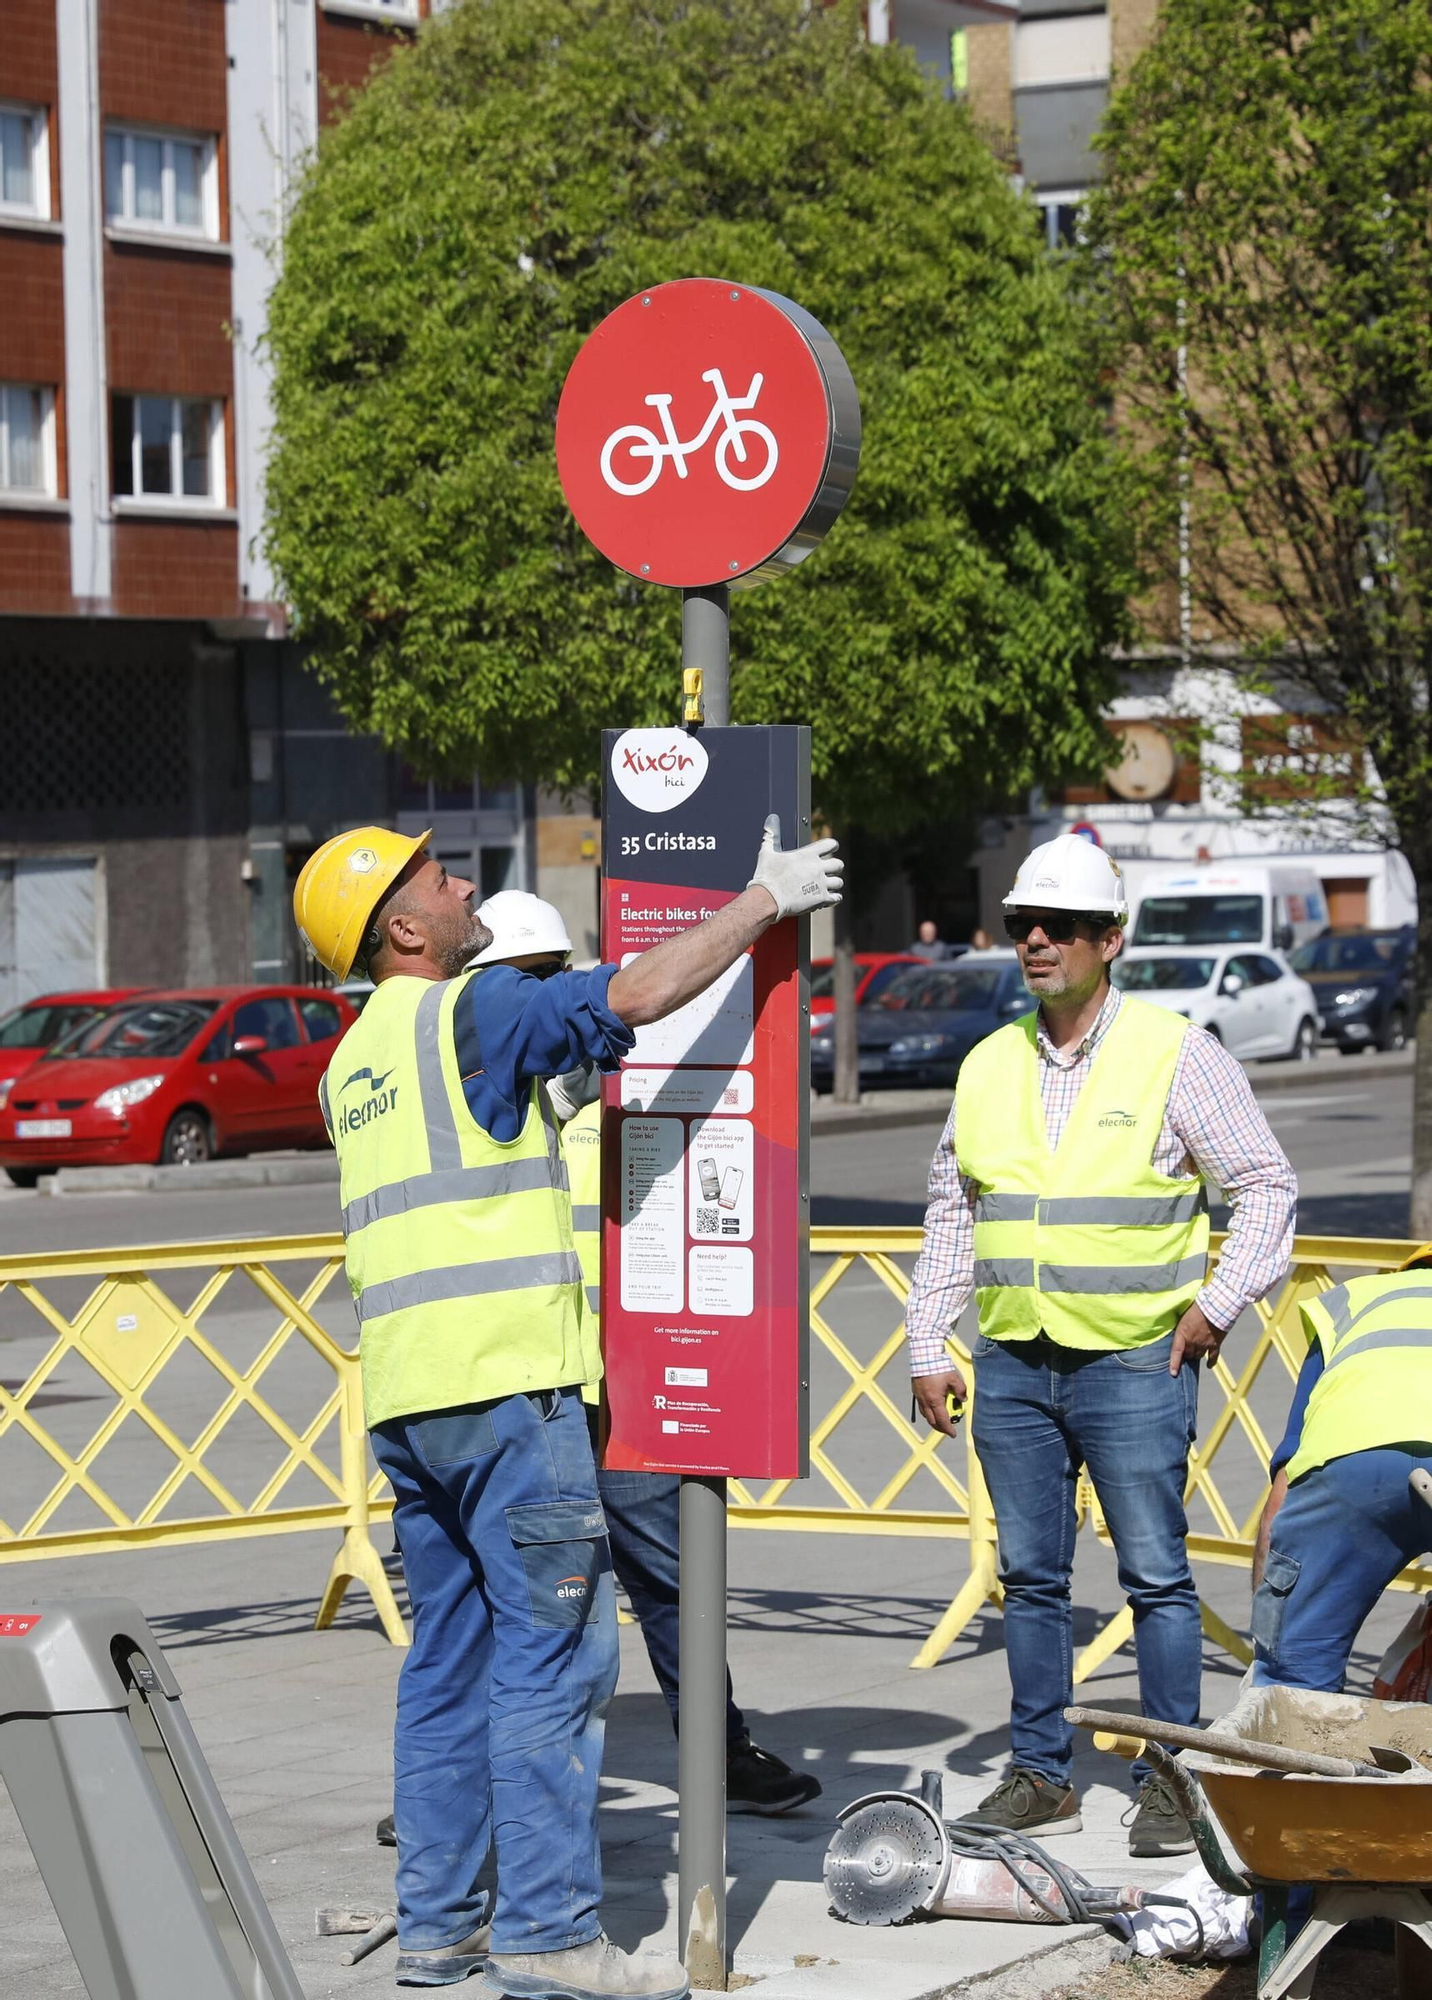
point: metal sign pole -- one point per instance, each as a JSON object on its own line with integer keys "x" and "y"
{"x": 701, "y": 1757}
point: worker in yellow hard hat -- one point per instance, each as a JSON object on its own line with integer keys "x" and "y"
{"x": 1341, "y": 1520}
{"x": 460, "y": 1252}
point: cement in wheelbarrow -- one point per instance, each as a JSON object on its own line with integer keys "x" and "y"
{"x": 1302, "y": 1829}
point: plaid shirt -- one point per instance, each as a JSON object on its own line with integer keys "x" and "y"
{"x": 1212, "y": 1127}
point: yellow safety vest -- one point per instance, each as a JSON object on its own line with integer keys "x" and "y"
{"x": 459, "y": 1248}
{"x": 1376, "y": 1384}
{"x": 582, "y": 1144}
{"x": 1087, "y": 1243}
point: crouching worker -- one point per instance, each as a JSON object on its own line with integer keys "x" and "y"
{"x": 1341, "y": 1520}
{"x": 458, "y": 1235}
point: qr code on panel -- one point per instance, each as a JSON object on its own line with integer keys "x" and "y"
{"x": 708, "y": 1222}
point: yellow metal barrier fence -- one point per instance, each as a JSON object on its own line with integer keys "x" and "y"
{"x": 177, "y": 1394}
{"x": 127, "y": 1328}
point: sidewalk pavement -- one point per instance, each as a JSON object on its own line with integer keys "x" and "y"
{"x": 296, "y": 1725}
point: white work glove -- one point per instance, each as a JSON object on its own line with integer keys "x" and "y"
{"x": 798, "y": 880}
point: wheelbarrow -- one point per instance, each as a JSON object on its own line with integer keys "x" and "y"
{"x": 1362, "y": 1842}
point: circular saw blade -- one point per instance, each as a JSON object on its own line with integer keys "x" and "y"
{"x": 884, "y": 1863}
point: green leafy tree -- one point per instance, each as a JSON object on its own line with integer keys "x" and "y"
{"x": 489, "y": 197}
{"x": 1266, "y": 234}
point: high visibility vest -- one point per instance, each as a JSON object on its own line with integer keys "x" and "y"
{"x": 582, "y": 1144}
{"x": 459, "y": 1248}
{"x": 1087, "y": 1243}
{"x": 1376, "y": 1384}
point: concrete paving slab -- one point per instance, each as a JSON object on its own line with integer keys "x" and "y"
{"x": 297, "y": 1727}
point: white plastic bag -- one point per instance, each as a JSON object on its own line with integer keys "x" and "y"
{"x": 1162, "y": 1932}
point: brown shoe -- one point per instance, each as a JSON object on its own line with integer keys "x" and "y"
{"x": 1027, "y": 1803}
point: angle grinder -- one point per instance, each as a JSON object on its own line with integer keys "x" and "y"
{"x": 894, "y": 1857}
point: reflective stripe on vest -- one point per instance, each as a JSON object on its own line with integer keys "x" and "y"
{"x": 460, "y": 1255}
{"x": 1087, "y": 1244}
{"x": 1376, "y": 1386}
{"x": 582, "y": 1145}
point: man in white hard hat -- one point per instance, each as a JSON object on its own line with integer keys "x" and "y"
{"x": 1067, "y": 1195}
{"x": 457, "y": 1225}
{"x": 643, "y": 1509}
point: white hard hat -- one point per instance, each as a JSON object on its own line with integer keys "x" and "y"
{"x": 1069, "y": 873}
{"x": 520, "y": 924}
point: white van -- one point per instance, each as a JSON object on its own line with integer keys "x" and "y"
{"x": 1275, "y": 904}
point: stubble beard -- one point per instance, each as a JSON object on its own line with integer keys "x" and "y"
{"x": 456, "y": 953}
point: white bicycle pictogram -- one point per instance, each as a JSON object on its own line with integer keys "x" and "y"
{"x": 643, "y": 443}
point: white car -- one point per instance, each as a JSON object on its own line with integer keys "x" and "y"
{"x": 1252, "y": 1000}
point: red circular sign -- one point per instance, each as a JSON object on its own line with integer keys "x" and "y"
{"x": 707, "y": 433}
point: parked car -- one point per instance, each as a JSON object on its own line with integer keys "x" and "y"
{"x": 357, "y": 992}
{"x": 176, "y": 1078}
{"x": 873, "y": 972}
{"x": 1364, "y": 985}
{"x": 36, "y": 1025}
{"x": 1253, "y": 1001}
{"x": 925, "y": 1020}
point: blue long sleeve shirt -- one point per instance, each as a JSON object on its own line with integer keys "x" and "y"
{"x": 511, "y": 1027}
{"x": 1293, "y": 1435}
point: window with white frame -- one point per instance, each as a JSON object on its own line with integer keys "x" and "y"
{"x": 27, "y": 445}
{"x": 399, "y": 10}
{"x": 1062, "y": 212}
{"x": 163, "y": 182}
{"x": 24, "y": 161}
{"x": 167, "y": 449}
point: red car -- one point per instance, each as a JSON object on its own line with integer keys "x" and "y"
{"x": 36, "y": 1025}
{"x": 176, "y": 1078}
{"x": 873, "y": 969}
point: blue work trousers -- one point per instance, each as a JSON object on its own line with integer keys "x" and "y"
{"x": 1340, "y": 1537}
{"x": 1040, "y": 1412}
{"x": 502, "y": 1698}
{"x": 643, "y": 1511}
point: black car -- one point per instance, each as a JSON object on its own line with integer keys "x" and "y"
{"x": 1364, "y": 986}
{"x": 922, "y": 1024}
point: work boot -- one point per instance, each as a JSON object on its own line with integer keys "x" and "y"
{"x": 1158, "y": 1824}
{"x": 1027, "y": 1803}
{"x": 448, "y": 1965}
{"x": 759, "y": 1782}
{"x": 595, "y": 1971}
{"x": 387, "y": 1833}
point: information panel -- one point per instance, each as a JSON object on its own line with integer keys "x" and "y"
{"x": 705, "y": 1320}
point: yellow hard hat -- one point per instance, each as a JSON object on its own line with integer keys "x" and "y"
{"x": 342, "y": 883}
{"x": 1422, "y": 1255}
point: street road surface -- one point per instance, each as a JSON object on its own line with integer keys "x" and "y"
{"x": 1348, "y": 1134}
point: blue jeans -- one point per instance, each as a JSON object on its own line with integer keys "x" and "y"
{"x": 1340, "y": 1537}
{"x": 502, "y": 1698}
{"x": 643, "y": 1511}
{"x": 1040, "y": 1412}
{"x": 644, "y": 1523}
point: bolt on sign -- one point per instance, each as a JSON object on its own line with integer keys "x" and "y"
{"x": 707, "y": 433}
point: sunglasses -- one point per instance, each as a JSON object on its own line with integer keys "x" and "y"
{"x": 1059, "y": 926}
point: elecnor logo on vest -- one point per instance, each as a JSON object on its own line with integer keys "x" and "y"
{"x": 381, "y": 1097}
{"x": 1117, "y": 1120}
{"x": 657, "y": 769}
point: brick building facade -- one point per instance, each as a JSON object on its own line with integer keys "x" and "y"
{"x": 167, "y": 761}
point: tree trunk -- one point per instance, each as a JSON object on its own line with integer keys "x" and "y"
{"x": 1421, "y": 1223}
{"x": 846, "y": 1088}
